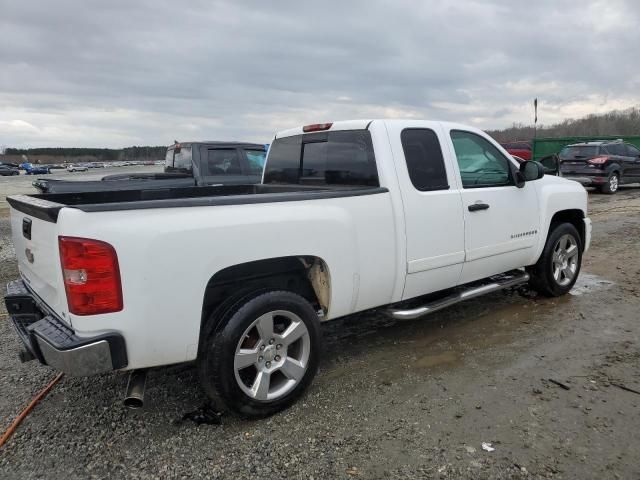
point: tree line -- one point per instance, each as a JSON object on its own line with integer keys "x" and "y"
{"x": 100, "y": 154}
{"x": 617, "y": 122}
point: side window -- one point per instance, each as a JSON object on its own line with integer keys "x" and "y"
{"x": 633, "y": 150}
{"x": 424, "y": 159}
{"x": 255, "y": 160}
{"x": 480, "y": 163}
{"x": 617, "y": 149}
{"x": 223, "y": 162}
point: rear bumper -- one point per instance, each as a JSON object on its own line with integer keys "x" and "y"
{"x": 47, "y": 338}
{"x": 587, "y": 180}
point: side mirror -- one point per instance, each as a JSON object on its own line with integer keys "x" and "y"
{"x": 532, "y": 170}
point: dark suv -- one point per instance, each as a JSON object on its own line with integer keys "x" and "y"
{"x": 605, "y": 164}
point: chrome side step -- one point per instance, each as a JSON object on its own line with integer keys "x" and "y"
{"x": 501, "y": 282}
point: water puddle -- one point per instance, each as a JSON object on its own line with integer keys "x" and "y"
{"x": 430, "y": 361}
{"x": 588, "y": 283}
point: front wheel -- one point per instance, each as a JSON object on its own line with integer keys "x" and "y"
{"x": 558, "y": 267}
{"x": 264, "y": 354}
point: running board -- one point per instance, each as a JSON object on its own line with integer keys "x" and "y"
{"x": 510, "y": 279}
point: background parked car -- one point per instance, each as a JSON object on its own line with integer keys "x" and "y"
{"x": 520, "y": 149}
{"x": 186, "y": 164}
{"x": 32, "y": 169}
{"x": 6, "y": 170}
{"x": 77, "y": 168}
{"x": 601, "y": 164}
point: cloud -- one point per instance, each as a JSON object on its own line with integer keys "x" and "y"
{"x": 119, "y": 73}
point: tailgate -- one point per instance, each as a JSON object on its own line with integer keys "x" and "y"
{"x": 572, "y": 166}
{"x": 34, "y": 231}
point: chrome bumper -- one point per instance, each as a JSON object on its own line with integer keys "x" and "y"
{"x": 54, "y": 343}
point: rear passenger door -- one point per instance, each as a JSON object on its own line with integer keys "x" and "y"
{"x": 432, "y": 208}
{"x": 634, "y": 158}
{"x": 622, "y": 158}
{"x": 502, "y": 222}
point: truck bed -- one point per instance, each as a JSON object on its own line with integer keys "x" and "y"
{"x": 46, "y": 206}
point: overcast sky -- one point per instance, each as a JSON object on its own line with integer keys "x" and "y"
{"x": 117, "y": 73}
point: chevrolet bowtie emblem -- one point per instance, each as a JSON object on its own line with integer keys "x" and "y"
{"x": 29, "y": 254}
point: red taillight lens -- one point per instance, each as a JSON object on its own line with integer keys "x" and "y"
{"x": 316, "y": 127}
{"x": 598, "y": 160}
{"x": 91, "y": 276}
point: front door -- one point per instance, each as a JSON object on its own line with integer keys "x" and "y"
{"x": 502, "y": 224}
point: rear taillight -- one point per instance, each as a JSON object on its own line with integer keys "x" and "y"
{"x": 91, "y": 276}
{"x": 316, "y": 127}
{"x": 598, "y": 160}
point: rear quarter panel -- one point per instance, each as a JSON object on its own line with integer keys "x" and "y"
{"x": 168, "y": 255}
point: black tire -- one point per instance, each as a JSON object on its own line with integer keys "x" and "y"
{"x": 220, "y": 340}
{"x": 611, "y": 187}
{"x": 542, "y": 276}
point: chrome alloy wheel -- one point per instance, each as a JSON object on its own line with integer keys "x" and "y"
{"x": 565, "y": 260}
{"x": 613, "y": 183}
{"x": 272, "y": 355}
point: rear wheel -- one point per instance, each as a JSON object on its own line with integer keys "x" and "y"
{"x": 612, "y": 184}
{"x": 264, "y": 354}
{"x": 558, "y": 268}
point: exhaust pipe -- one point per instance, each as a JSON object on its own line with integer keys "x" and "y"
{"x": 134, "y": 396}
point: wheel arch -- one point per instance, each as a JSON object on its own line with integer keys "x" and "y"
{"x": 573, "y": 216}
{"x": 306, "y": 275}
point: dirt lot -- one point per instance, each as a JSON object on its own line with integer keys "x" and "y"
{"x": 392, "y": 400}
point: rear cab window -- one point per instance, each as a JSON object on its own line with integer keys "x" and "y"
{"x": 343, "y": 157}
{"x": 223, "y": 161}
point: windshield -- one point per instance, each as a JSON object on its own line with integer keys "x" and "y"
{"x": 586, "y": 151}
{"x": 168, "y": 159}
{"x": 256, "y": 159}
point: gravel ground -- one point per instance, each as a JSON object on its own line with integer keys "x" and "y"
{"x": 392, "y": 400}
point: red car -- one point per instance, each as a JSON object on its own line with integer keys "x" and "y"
{"x": 520, "y": 149}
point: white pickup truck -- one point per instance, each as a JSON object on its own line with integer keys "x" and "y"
{"x": 406, "y": 216}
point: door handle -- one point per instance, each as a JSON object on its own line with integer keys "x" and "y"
{"x": 474, "y": 207}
